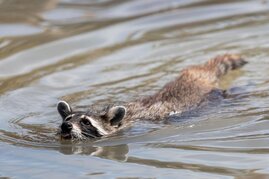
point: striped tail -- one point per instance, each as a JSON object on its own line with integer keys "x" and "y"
{"x": 222, "y": 64}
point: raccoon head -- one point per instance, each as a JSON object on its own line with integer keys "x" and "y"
{"x": 82, "y": 125}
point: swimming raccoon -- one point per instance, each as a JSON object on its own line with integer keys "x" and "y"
{"x": 194, "y": 87}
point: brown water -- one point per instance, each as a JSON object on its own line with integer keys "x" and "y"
{"x": 102, "y": 51}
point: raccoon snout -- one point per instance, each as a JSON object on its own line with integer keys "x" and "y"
{"x": 66, "y": 127}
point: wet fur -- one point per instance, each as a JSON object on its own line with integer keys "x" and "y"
{"x": 195, "y": 86}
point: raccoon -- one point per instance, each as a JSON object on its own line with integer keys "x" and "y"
{"x": 195, "y": 86}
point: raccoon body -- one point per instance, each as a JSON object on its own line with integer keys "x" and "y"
{"x": 193, "y": 88}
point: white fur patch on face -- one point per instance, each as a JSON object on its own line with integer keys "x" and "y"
{"x": 76, "y": 132}
{"x": 95, "y": 124}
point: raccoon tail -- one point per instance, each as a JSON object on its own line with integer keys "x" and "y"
{"x": 222, "y": 64}
{"x": 211, "y": 72}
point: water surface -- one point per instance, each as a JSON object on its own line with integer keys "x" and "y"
{"x": 104, "y": 51}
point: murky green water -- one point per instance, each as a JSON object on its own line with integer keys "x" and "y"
{"x": 99, "y": 51}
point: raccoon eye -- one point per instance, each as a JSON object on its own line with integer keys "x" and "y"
{"x": 85, "y": 121}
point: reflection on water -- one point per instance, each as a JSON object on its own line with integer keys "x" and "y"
{"x": 105, "y": 51}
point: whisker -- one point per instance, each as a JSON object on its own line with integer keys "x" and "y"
{"x": 88, "y": 135}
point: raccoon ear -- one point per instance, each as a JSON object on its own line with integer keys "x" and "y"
{"x": 116, "y": 114}
{"x": 64, "y": 109}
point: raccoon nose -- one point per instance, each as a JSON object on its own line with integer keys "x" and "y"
{"x": 66, "y": 127}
